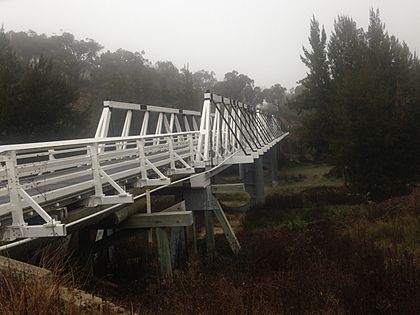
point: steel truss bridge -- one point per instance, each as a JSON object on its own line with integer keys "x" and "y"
{"x": 135, "y": 145}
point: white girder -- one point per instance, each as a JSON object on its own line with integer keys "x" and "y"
{"x": 39, "y": 176}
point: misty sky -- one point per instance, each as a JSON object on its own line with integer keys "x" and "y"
{"x": 262, "y": 39}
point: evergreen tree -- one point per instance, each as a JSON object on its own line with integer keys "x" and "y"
{"x": 10, "y": 73}
{"x": 362, "y": 104}
{"x": 45, "y": 106}
{"x": 315, "y": 99}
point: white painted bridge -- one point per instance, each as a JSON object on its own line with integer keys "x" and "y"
{"x": 135, "y": 145}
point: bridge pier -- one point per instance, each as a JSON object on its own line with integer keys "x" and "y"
{"x": 199, "y": 200}
{"x": 204, "y": 200}
{"x": 273, "y": 165}
{"x": 253, "y": 178}
{"x": 241, "y": 170}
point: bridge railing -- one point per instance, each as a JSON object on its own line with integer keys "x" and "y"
{"x": 36, "y": 175}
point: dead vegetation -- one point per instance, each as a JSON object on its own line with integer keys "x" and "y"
{"x": 310, "y": 250}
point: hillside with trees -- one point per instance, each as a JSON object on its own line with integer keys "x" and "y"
{"x": 52, "y": 87}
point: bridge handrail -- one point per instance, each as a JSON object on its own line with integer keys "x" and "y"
{"x": 38, "y": 146}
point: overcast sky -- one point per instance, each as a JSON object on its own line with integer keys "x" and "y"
{"x": 262, "y": 39}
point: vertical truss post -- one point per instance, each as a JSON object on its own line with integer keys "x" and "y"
{"x": 186, "y": 123}
{"x": 226, "y": 132}
{"x": 158, "y": 128}
{"x": 145, "y": 124}
{"x": 103, "y": 126}
{"x": 179, "y": 129}
{"x": 171, "y": 123}
{"x": 207, "y": 131}
{"x": 204, "y": 136}
{"x": 195, "y": 126}
{"x": 216, "y": 134}
{"x": 126, "y": 128}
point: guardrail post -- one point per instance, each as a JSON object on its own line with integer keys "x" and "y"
{"x": 191, "y": 144}
{"x": 98, "y": 174}
{"x": 93, "y": 149}
{"x": 142, "y": 158}
{"x": 171, "y": 152}
{"x": 12, "y": 186}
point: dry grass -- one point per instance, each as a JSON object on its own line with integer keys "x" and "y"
{"x": 311, "y": 269}
{"x": 24, "y": 293}
{"x": 49, "y": 291}
{"x": 312, "y": 249}
{"x": 326, "y": 263}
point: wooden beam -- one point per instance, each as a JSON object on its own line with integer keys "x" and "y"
{"x": 227, "y": 188}
{"x": 159, "y": 219}
{"x": 227, "y": 228}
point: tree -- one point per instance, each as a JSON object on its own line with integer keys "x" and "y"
{"x": 192, "y": 97}
{"x": 10, "y": 73}
{"x": 377, "y": 147}
{"x": 360, "y": 100}
{"x": 276, "y": 95}
{"x": 237, "y": 86}
{"x": 75, "y": 59}
{"x": 120, "y": 76}
{"x": 204, "y": 80}
{"x": 315, "y": 100}
{"x": 45, "y": 106}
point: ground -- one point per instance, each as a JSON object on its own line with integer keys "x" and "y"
{"x": 312, "y": 249}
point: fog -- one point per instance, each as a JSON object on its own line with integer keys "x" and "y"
{"x": 262, "y": 39}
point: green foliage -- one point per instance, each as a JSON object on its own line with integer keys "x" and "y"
{"x": 69, "y": 64}
{"x": 10, "y": 72}
{"x": 315, "y": 98}
{"x": 35, "y": 102}
{"x": 237, "y": 86}
{"x": 361, "y": 104}
{"x": 45, "y": 105}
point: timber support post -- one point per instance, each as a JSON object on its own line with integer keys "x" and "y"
{"x": 210, "y": 241}
{"x": 164, "y": 253}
